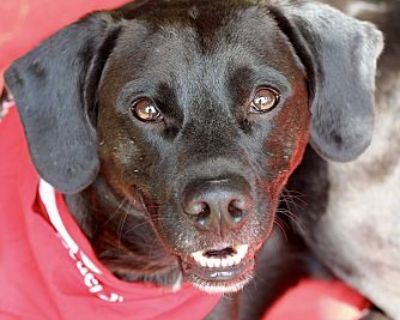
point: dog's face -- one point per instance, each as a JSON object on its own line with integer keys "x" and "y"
{"x": 196, "y": 114}
{"x": 204, "y": 123}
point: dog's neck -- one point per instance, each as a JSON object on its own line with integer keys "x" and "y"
{"x": 122, "y": 238}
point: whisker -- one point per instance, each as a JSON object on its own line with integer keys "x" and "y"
{"x": 121, "y": 227}
{"x": 292, "y": 218}
{"x": 116, "y": 211}
{"x": 278, "y": 223}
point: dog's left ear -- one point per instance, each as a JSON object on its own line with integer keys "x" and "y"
{"x": 55, "y": 89}
{"x": 340, "y": 54}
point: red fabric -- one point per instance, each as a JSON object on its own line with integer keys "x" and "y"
{"x": 314, "y": 299}
{"x": 24, "y": 23}
{"x": 41, "y": 279}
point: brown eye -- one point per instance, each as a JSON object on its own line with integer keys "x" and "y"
{"x": 264, "y": 100}
{"x": 146, "y": 110}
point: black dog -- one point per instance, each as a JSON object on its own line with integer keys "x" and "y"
{"x": 185, "y": 119}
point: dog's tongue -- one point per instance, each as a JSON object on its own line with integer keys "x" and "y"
{"x": 319, "y": 300}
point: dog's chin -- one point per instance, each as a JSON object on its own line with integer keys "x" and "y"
{"x": 223, "y": 270}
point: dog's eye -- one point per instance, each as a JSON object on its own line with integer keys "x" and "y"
{"x": 264, "y": 100}
{"x": 146, "y": 110}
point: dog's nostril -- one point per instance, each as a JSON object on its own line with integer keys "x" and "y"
{"x": 198, "y": 208}
{"x": 236, "y": 210}
{"x": 202, "y": 213}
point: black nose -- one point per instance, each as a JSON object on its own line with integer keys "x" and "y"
{"x": 218, "y": 205}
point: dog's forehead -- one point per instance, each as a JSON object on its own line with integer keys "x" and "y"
{"x": 198, "y": 45}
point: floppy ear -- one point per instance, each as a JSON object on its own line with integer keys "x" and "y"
{"x": 54, "y": 87}
{"x": 340, "y": 54}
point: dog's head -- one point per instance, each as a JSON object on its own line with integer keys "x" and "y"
{"x": 198, "y": 113}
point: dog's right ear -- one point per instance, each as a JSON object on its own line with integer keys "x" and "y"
{"x": 54, "y": 87}
{"x": 340, "y": 55}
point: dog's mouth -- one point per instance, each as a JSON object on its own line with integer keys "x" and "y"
{"x": 221, "y": 267}
{"x": 220, "y": 270}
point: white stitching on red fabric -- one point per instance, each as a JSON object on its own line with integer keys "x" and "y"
{"x": 85, "y": 266}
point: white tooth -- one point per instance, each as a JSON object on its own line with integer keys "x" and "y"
{"x": 210, "y": 263}
{"x": 203, "y": 261}
{"x": 242, "y": 250}
{"x": 236, "y": 260}
{"x": 197, "y": 255}
{"x": 217, "y": 263}
{"x": 230, "y": 261}
{"x": 225, "y": 262}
